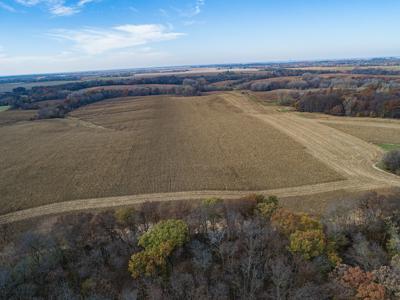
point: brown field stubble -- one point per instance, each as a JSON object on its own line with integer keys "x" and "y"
{"x": 148, "y": 145}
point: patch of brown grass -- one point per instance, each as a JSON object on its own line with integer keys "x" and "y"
{"x": 372, "y": 134}
{"x": 10, "y": 117}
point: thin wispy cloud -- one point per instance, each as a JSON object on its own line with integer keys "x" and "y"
{"x": 84, "y": 2}
{"x": 70, "y": 62}
{"x": 194, "y": 10}
{"x": 96, "y": 41}
{"x": 163, "y": 12}
{"x": 62, "y": 10}
{"x": 186, "y": 12}
{"x": 192, "y": 22}
{"x": 7, "y": 7}
{"x": 28, "y": 2}
{"x": 133, "y": 9}
{"x": 198, "y": 6}
{"x": 58, "y": 7}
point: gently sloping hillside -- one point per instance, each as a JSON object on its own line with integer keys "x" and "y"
{"x": 149, "y": 145}
{"x": 346, "y": 154}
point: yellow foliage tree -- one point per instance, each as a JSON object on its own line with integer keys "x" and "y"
{"x": 309, "y": 244}
{"x": 158, "y": 244}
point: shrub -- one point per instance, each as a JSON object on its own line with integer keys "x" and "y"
{"x": 289, "y": 222}
{"x": 391, "y": 161}
{"x": 309, "y": 223}
{"x": 125, "y": 216}
{"x": 51, "y": 112}
{"x": 151, "y": 261}
{"x": 337, "y": 110}
{"x": 286, "y": 99}
{"x": 266, "y": 209}
{"x": 267, "y": 206}
{"x": 389, "y": 278}
{"x": 308, "y": 244}
{"x": 211, "y": 210}
{"x": 332, "y": 254}
{"x": 305, "y": 233}
{"x": 368, "y": 254}
{"x": 285, "y": 221}
{"x": 175, "y": 232}
{"x": 395, "y": 262}
{"x": 393, "y": 242}
{"x": 361, "y": 282}
{"x": 334, "y": 257}
{"x": 211, "y": 202}
{"x": 371, "y": 291}
{"x": 258, "y": 198}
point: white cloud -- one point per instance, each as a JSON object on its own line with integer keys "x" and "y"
{"x": 194, "y": 10}
{"x": 71, "y": 62}
{"x": 7, "y": 7}
{"x": 198, "y": 6}
{"x": 57, "y": 7}
{"x": 97, "y": 41}
{"x": 62, "y": 10}
{"x": 29, "y": 2}
{"x": 84, "y": 2}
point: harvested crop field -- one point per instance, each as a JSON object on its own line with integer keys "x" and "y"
{"x": 10, "y": 117}
{"x": 373, "y": 132}
{"x": 146, "y": 145}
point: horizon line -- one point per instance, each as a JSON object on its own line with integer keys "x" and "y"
{"x": 272, "y": 62}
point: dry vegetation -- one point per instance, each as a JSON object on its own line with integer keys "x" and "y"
{"x": 346, "y": 68}
{"x": 143, "y": 145}
{"x": 370, "y": 133}
{"x": 10, "y": 117}
{"x": 8, "y": 87}
{"x": 373, "y": 130}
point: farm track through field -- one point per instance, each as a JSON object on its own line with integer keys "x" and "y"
{"x": 349, "y": 156}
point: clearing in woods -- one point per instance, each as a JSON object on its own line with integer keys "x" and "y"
{"x": 347, "y": 155}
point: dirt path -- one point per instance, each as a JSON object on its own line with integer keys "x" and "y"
{"x": 109, "y": 202}
{"x": 346, "y": 154}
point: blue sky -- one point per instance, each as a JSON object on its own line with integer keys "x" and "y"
{"x": 40, "y": 36}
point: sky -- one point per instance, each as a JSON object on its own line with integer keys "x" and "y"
{"x": 47, "y": 36}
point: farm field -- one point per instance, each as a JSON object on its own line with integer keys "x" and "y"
{"x": 373, "y": 133}
{"x": 373, "y": 130}
{"x": 149, "y": 145}
{"x": 223, "y": 140}
{"x": 8, "y": 87}
{"x": 10, "y": 117}
{"x": 347, "y": 68}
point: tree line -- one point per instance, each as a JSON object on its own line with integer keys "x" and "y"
{"x": 338, "y": 95}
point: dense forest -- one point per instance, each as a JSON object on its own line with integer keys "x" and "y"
{"x": 250, "y": 248}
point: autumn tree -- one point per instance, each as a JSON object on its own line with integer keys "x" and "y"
{"x": 158, "y": 243}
